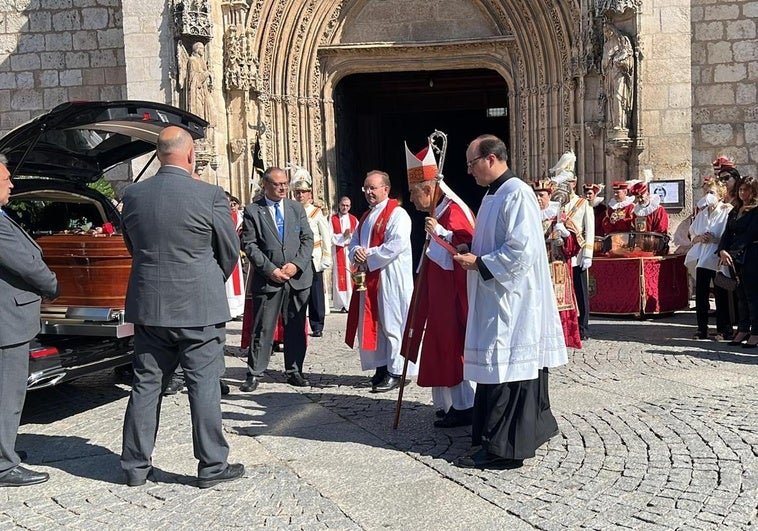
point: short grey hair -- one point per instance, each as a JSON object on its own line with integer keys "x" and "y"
{"x": 3, "y": 159}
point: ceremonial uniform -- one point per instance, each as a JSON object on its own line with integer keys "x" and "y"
{"x": 342, "y": 284}
{"x": 322, "y": 260}
{"x": 619, "y": 217}
{"x": 656, "y": 219}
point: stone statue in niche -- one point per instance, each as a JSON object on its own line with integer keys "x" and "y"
{"x": 195, "y": 83}
{"x": 618, "y": 74}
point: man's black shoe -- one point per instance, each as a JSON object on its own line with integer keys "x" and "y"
{"x": 231, "y": 473}
{"x": 224, "y": 388}
{"x": 139, "y": 481}
{"x": 21, "y": 477}
{"x": 455, "y": 418}
{"x": 250, "y": 384}
{"x": 174, "y": 386}
{"x": 21, "y": 455}
{"x": 440, "y": 413}
{"x": 317, "y": 333}
{"x": 379, "y": 375}
{"x": 296, "y": 379}
{"x": 484, "y": 460}
{"x": 387, "y": 384}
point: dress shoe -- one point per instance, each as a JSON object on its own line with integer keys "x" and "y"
{"x": 224, "y": 388}
{"x": 296, "y": 379}
{"x": 139, "y": 481}
{"x": 483, "y": 459}
{"x": 317, "y": 333}
{"x": 20, "y": 477}
{"x": 379, "y": 375}
{"x": 387, "y": 384}
{"x": 440, "y": 413}
{"x": 750, "y": 345}
{"x": 343, "y": 310}
{"x": 231, "y": 473}
{"x": 174, "y": 386}
{"x": 700, "y": 335}
{"x": 250, "y": 384}
{"x": 739, "y": 339}
{"x": 455, "y": 418}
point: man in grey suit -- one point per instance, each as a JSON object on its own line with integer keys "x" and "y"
{"x": 24, "y": 280}
{"x": 184, "y": 247}
{"x": 279, "y": 244}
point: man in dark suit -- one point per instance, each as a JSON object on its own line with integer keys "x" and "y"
{"x": 24, "y": 280}
{"x": 279, "y": 244}
{"x": 184, "y": 247}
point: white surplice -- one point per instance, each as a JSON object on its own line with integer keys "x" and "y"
{"x": 394, "y": 260}
{"x": 513, "y": 327}
{"x": 341, "y": 299}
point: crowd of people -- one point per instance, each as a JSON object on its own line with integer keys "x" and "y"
{"x": 496, "y": 299}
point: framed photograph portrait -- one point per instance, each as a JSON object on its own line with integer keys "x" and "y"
{"x": 670, "y": 192}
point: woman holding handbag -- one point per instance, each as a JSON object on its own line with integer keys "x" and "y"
{"x": 703, "y": 262}
{"x": 739, "y": 249}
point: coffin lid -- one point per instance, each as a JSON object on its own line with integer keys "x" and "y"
{"x": 79, "y": 141}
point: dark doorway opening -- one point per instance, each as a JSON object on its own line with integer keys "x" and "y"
{"x": 375, "y": 113}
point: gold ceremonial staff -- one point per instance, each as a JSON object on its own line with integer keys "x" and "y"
{"x": 420, "y": 279}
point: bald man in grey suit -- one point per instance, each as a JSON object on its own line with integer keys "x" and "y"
{"x": 24, "y": 280}
{"x": 184, "y": 247}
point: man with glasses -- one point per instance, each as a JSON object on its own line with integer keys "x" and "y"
{"x": 24, "y": 280}
{"x": 513, "y": 331}
{"x": 381, "y": 246}
{"x": 279, "y": 244}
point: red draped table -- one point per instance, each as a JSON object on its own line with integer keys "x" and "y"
{"x": 646, "y": 285}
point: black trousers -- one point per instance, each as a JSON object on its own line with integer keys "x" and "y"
{"x": 582, "y": 292}
{"x": 157, "y": 352}
{"x": 292, "y": 305}
{"x": 703, "y": 279}
{"x": 14, "y": 371}
{"x": 316, "y": 302}
{"x": 747, "y": 299}
{"x": 513, "y": 419}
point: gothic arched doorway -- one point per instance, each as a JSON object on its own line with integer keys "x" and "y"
{"x": 375, "y": 113}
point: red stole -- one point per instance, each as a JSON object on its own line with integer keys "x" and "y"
{"x": 340, "y": 255}
{"x": 237, "y": 273}
{"x": 371, "y": 300}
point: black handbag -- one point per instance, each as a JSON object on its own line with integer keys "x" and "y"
{"x": 729, "y": 283}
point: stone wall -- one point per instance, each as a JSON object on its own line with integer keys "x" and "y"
{"x": 52, "y": 51}
{"x": 724, "y": 85}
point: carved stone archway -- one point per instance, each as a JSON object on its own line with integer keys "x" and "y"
{"x": 299, "y": 48}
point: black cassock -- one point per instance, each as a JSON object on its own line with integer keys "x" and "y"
{"x": 513, "y": 419}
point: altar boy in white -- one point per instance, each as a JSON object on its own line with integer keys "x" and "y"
{"x": 513, "y": 332}
{"x": 381, "y": 245}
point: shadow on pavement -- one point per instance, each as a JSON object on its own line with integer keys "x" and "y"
{"x": 47, "y": 406}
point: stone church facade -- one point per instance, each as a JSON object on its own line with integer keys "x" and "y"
{"x": 269, "y": 76}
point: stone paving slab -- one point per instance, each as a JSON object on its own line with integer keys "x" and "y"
{"x": 658, "y": 431}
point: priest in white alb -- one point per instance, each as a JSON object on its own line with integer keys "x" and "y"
{"x": 343, "y": 227}
{"x": 381, "y": 246}
{"x": 513, "y": 332}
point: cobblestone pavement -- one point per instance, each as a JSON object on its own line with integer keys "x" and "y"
{"x": 658, "y": 431}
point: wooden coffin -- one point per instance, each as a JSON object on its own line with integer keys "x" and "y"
{"x": 92, "y": 269}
